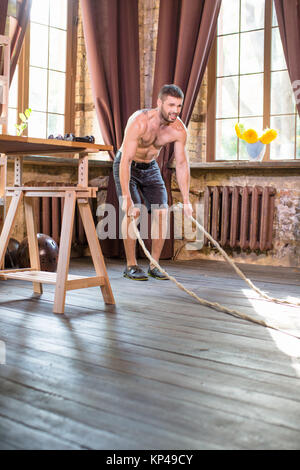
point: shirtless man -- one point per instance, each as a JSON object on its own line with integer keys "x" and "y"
{"x": 135, "y": 169}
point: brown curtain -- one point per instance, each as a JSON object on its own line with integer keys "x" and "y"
{"x": 112, "y": 44}
{"x": 186, "y": 31}
{"x": 3, "y": 13}
{"x": 288, "y": 15}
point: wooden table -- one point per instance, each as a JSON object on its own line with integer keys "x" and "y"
{"x": 18, "y": 147}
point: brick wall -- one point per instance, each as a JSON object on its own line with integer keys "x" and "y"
{"x": 148, "y": 27}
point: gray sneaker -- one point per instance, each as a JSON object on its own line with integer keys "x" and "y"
{"x": 135, "y": 273}
{"x": 155, "y": 272}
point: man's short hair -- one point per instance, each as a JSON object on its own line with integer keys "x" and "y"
{"x": 170, "y": 90}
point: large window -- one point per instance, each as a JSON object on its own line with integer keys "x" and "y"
{"x": 249, "y": 82}
{"x": 44, "y": 70}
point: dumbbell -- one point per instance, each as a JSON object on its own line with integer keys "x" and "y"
{"x": 57, "y": 136}
{"x": 71, "y": 137}
{"x": 88, "y": 138}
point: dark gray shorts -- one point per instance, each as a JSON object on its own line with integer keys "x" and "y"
{"x": 146, "y": 183}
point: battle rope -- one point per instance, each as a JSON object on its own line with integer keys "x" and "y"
{"x": 240, "y": 273}
{"x": 215, "y": 305}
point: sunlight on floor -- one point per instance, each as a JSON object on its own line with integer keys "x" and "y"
{"x": 284, "y": 317}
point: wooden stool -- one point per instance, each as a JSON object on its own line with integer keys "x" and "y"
{"x": 74, "y": 194}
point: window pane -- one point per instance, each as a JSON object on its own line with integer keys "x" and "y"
{"x": 57, "y": 49}
{"x": 249, "y": 123}
{"x": 251, "y": 95}
{"x": 38, "y": 45}
{"x": 48, "y": 40}
{"x": 37, "y": 89}
{"x": 277, "y": 58}
{"x": 13, "y": 91}
{"x": 226, "y": 140}
{"x": 252, "y": 52}
{"x": 12, "y": 120}
{"x": 227, "y": 97}
{"x": 38, "y": 14}
{"x": 228, "y": 55}
{"x": 56, "y": 92}
{"x": 58, "y": 13}
{"x": 240, "y": 93}
{"x": 37, "y": 125}
{"x": 282, "y": 97}
{"x": 274, "y": 19}
{"x": 284, "y": 145}
{"x": 56, "y": 124}
{"x": 252, "y": 14}
{"x": 228, "y": 21}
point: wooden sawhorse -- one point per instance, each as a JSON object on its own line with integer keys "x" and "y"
{"x": 74, "y": 194}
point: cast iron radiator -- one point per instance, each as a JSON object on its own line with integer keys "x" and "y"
{"x": 239, "y": 216}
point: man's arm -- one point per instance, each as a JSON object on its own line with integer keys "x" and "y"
{"x": 183, "y": 172}
{"x": 134, "y": 131}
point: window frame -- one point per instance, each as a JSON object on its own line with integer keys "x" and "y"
{"x": 211, "y": 94}
{"x": 71, "y": 60}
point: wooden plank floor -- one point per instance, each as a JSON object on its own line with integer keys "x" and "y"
{"x": 158, "y": 370}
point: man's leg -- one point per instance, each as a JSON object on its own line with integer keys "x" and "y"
{"x": 159, "y": 226}
{"x": 156, "y": 198}
{"x": 132, "y": 271}
{"x": 129, "y": 241}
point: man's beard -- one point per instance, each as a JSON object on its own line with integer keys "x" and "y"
{"x": 167, "y": 117}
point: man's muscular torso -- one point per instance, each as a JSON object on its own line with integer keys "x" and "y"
{"x": 151, "y": 135}
{"x": 147, "y": 131}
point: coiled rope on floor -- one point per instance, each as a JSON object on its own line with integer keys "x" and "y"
{"x": 216, "y": 305}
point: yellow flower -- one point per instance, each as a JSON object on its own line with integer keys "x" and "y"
{"x": 239, "y": 129}
{"x": 250, "y": 136}
{"x": 268, "y": 136}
